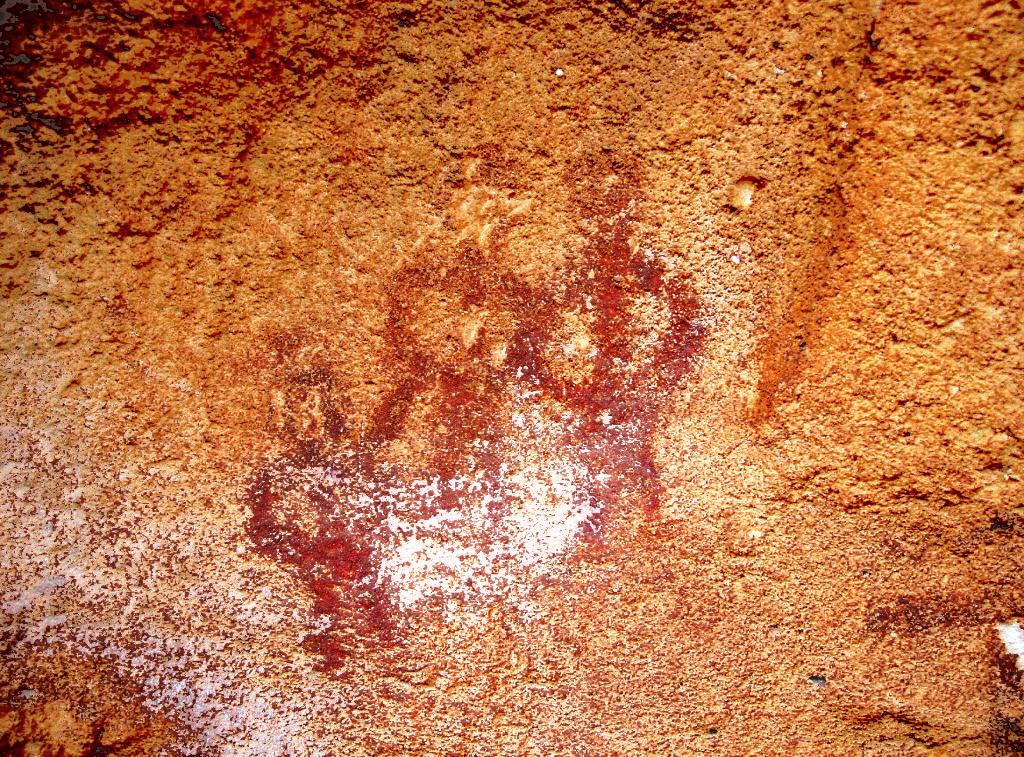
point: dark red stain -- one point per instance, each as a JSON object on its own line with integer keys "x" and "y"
{"x": 167, "y": 63}
{"x": 1006, "y": 734}
{"x": 919, "y": 613}
{"x": 1005, "y": 664}
{"x": 626, "y": 386}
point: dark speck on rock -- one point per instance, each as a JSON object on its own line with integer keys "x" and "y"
{"x": 215, "y": 22}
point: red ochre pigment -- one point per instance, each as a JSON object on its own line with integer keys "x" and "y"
{"x": 342, "y": 485}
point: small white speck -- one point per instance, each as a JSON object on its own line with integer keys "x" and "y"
{"x": 755, "y": 534}
{"x": 843, "y": 124}
{"x": 954, "y": 390}
{"x": 559, "y": 72}
{"x": 735, "y": 258}
{"x": 778, "y": 71}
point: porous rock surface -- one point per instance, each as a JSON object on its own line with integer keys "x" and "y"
{"x": 492, "y": 378}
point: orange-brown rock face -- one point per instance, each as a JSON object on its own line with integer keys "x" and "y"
{"x": 604, "y": 378}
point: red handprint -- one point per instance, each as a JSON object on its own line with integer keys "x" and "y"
{"x": 518, "y": 415}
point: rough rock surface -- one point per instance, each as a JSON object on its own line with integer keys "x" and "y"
{"x": 493, "y": 378}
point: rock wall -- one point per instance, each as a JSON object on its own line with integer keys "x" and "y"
{"x": 491, "y": 378}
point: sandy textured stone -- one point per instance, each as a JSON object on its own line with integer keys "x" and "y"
{"x": 488, "y": 378}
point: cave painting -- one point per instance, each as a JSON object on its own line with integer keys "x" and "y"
{"x": 516, "y": 416}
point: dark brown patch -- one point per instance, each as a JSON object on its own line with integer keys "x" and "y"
{"x": 1006, "y": 736}
{"x": 226, "y": 47}
{"x": 682, "y": 22}
{"x": 918, "y": 613}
